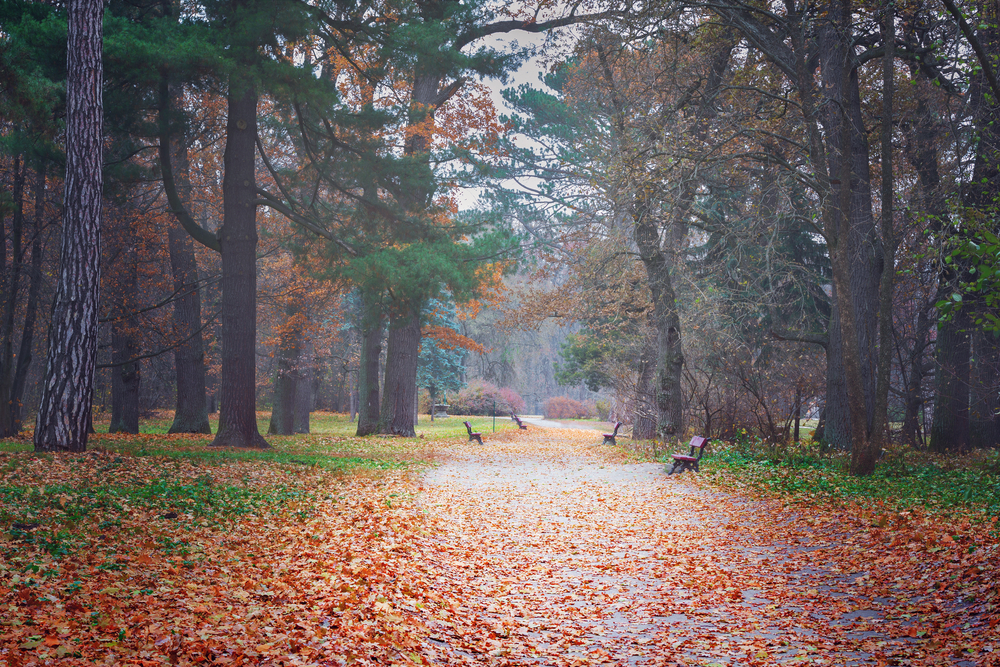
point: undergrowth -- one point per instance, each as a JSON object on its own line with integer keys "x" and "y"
{"x": 903, "y": 477}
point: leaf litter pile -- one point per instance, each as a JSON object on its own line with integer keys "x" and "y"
{"x": 538, "y": 548}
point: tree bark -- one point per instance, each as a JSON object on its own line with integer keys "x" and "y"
{"x": 670, "y": 360}
{"x": 24, "y": 355}
{"x": 125, "y": 373}
{"x": 396, "y": 416}
{"x": 913, "y": 400}
{"x": 238, "y": 239}
{"x": 286, "y": 381}
{"x": 950, "y": 426}
{"x": 984, "y": 432}
{"x": 305, "y": 388}
{"x": 644, "y": 415}
{"x": 191, "y": 405}
{"x": 68, "y": 385}
{"x": 10, "y": 287}
{"x": 846, "y": 140}
{"x": 372, "y": 330}
{"x": 983, "y": 196}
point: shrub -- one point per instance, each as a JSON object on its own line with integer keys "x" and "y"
{"x": 561, "y": 407}
{"x": 603, "y": 408}
{"x": 479, "y": 398}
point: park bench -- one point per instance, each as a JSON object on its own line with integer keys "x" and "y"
{"x": 684, "y": 462}
{"x": 518, "y": 420}
{"x": 473, "y": 435}
{"x": 610, "y": 437}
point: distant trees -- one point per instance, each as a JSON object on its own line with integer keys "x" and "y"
{"x": 441, "y": 367}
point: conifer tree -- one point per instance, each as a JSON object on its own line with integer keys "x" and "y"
{"x": 67, "y": 390}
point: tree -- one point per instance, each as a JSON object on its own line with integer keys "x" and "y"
{"x": 67, "y": 390}
{"x": 441, "y": 367}
{"x": 245, "y": 32}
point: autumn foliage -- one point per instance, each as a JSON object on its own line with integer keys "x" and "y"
{"x": 481, "y": 398}
{"x": 562, "y": 407}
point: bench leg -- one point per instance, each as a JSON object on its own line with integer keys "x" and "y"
{"x": 479, "y": 439}
{"x": 609, "y": 438}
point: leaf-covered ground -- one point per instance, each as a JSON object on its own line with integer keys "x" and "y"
{"x": 541, "y": 547}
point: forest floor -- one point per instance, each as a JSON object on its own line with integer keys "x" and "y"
{"x": 541, "y": 547}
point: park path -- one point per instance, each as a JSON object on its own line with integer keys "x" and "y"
{"x": 568, "y": 554}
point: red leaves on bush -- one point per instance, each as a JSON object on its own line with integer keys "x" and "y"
{"x": 561, "y": 407}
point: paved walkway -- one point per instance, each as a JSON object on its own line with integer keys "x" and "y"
{"x": 571, "y": 556}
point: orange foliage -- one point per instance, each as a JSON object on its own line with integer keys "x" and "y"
{"x": 449, "y": 339}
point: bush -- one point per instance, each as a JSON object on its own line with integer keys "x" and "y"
{"x": 561, "y": 407}
{"x": 603, "y": 408}
{"x": 479, "y": 398}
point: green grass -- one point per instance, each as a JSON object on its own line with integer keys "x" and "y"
{"x": 904, "y": 478}
{"x": 58, "y": 503}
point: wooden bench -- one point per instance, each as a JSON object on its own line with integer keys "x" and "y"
{"x": 610, "y": 437}
{"x": 518, "y": 420}
{"x": 684, "y": 462}
{"x": 473, "y": 435}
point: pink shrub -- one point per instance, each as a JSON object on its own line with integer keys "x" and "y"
{"x": 561, "y": 407}
{"x": 480, "y": 397}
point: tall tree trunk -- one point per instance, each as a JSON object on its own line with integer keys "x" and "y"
{"x": 921, "y": 151}
{"x": 851, "y": 196}
{"x": 10, "y": 287}
{"x": 286, "y": 379}
{"x": 913, "y": 400}
{"x": 24, "y": 355}
{"x": 68, "y": 385}
{"x": 191, "y": 405}
{"x": 983, "y": 196}
{"x": 125, "y": 372}
{"x": 863, "y": 460}
{"x": 372, "y": 330}
{"x": 950, "y": 426}
{"x": 238, "y": 238}
{"x": 396, "y": 417}
{"x": 305, "y": 388}
{"x": 670, "y": 361}
{"x": 984, "y": 431}
{"x": 644, "y": 414}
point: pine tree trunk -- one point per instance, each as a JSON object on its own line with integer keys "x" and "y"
{"x": 238, "y": 238}
{"x": 191, "y": 406}
{"x": 10, "y": 287}
{"x": 68, "y": 384}
{"x": 372, "y": 330}
{"x": 125, "y": 373}
{"x": 401, "y": 374}
{"x": 24, "y": 355}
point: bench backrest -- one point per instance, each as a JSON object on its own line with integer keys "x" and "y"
{"x": 698, "y": 442}
{"x": 618, "y": 425}
{"x": 468, "y": 426}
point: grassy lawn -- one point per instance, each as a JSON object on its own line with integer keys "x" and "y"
{"x": 127, "y": 485}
